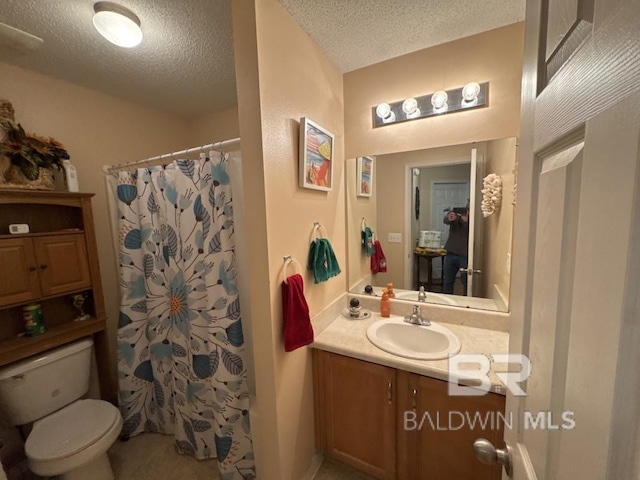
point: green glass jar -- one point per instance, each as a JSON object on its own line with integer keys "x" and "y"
{"x": 33, "y": 319}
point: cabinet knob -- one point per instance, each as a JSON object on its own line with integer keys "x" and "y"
{"x": 42, "y": 267}
{"x": 32, "y": 268}
{"x": 490, "y": 455}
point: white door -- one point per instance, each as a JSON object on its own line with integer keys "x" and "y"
{"x": 574, "y": 286}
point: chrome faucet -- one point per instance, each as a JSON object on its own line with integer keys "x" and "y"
{"x": 422, "y": 295}
{"x": 416, "y": 317}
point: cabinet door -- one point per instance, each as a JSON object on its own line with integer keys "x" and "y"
{"x": 62, "y": 263}
{"x": 360, "y": 409}
{"x": 18, "y": 272}
{"x": 440, "y": 446}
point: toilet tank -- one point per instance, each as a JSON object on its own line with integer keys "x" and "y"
{"x": 37, "y": 386}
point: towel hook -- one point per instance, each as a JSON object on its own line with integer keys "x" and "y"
{"x": 363, "y": 224}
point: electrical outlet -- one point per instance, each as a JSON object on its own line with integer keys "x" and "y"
{"x": 508, "y": 264}
{"x": 395, "y": 238}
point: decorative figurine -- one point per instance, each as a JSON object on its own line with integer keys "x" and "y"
{"x": 78, "y": 302}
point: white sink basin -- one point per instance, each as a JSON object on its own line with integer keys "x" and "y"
{"x": 431, "y": 298}
{"x": 395, "y": 336}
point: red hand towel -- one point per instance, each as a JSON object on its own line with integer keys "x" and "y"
{"x": 378, "y": 260}
{"x": 298, "y": 331}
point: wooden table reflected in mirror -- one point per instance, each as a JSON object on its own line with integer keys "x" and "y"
{"x": 420, "y": 254}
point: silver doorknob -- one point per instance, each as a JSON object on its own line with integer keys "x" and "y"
{"x": 489, "y": 455}
{"x": 470, "y": 271}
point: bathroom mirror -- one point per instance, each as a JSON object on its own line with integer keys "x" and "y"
{"x": 413, "y": 193}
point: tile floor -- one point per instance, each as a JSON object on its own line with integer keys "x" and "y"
{"x": 153, "y": 457}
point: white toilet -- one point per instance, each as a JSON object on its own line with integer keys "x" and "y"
{"x": 70, "y": 437}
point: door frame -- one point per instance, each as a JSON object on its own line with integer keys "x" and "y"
{"x": 408, "y": 203}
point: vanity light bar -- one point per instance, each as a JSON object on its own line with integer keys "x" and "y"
{"x": 437, "y": 103}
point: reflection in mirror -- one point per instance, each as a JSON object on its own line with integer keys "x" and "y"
{"x": 429, "y": 240}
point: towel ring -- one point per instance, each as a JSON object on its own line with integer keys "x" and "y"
{"x": 288, "y": 260}
{"x": 317, "y": 232}
{"x": 363, "y": 224}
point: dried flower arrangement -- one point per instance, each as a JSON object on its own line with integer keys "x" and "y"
{"x": 26, "y": 159}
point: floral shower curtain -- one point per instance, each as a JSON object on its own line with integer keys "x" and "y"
{"x": 180, "y": 343}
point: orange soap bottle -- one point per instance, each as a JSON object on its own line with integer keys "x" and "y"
{"x": 385, "y": 305}
{"x": 390, "y": 290}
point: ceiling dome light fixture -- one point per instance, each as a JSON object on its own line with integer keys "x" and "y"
{"x": 117, "y": 24}
{"x": 439, "y": 100}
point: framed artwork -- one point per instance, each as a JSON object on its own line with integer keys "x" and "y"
{"x": 316, "y": 156}
{"x": 364, "y": 176}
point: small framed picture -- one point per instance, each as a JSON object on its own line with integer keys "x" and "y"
{"x": 316, "y": 156}
{"x": 364, "y": 176}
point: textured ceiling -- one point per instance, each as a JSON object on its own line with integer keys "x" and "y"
{"x": 357, "y": 33}
{"x": 184, "y": 65}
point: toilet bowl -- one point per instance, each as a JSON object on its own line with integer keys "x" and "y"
{"x": 70, "y": 436}
{"x": 73, "y": 442}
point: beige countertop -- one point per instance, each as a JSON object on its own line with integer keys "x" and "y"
{"x": 349, "y": 337}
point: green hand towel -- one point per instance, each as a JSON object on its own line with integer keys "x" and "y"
{"x": 367, "y": 241}
{"x": 322, "y": 261}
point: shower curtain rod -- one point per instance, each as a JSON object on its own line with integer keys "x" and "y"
{"x": 233, "y": 144}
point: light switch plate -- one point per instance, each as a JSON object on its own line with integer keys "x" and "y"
{"x": 395, "y": 238}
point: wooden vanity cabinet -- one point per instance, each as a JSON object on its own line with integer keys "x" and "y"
{"x": 357, "y": 423}
{"x": 360, "y": 420}
{"x": 443, "y": 447}
{"x": 58, "y": 258}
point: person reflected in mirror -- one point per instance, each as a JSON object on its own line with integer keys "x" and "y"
{"x": 457, "y": 248}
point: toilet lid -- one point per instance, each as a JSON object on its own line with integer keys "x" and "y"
{"x": 70, "y": 429}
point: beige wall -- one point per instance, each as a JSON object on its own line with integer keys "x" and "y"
{"x": 390, "y": 185}
{"x": 97, "y": 130}
{"x": 214, "y": 127}
{"x": 498, "y": 228}
{"x": 359, "y": 267}
{"x": 295, "y": 80}
{"x": 494, "y": 56}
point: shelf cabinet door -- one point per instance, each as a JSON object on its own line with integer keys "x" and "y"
{"x": 359, "y": 410}
{"x": 443, "y": 447}
{"x": 62, "y": 263}
{"x": 18, "y": 272}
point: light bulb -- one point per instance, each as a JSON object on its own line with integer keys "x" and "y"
{"x": 117, "y": 24}
{"x": 410, "y": 105}
{"x": 439, "y": 99}
{"x": 470, "y": 91}
{"x": 383, "y": 111}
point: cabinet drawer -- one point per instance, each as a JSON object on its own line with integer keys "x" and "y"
{"x": 62, "y": 263}
{"x": 18, "y": 272}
